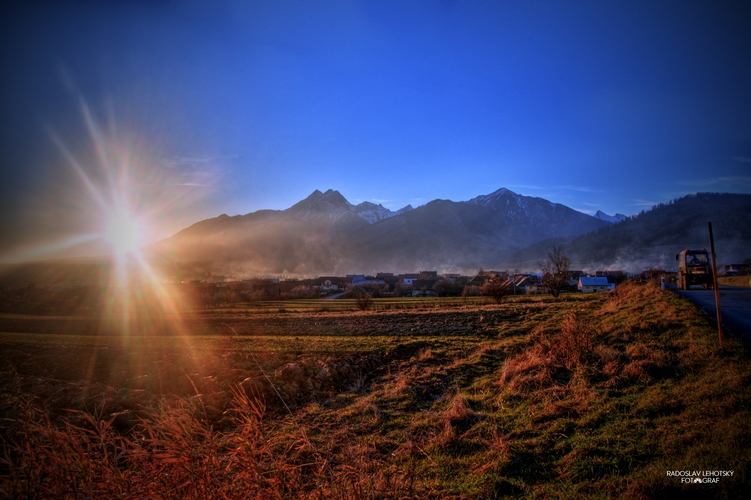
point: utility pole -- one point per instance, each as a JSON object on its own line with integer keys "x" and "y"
{"x": 716, "y": 285}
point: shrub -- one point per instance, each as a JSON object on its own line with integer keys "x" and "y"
{"x": 363, "y": 300}
{"x": 574, "y": 343}
{"x": 496, "y": 290}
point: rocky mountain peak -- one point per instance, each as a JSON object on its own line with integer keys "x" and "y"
{"x": 609, "y": 218}
{"x": 495, "y": 196}
{"x": 329, "y": 201}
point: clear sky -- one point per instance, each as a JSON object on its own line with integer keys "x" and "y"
{"x": 180, "y": 111}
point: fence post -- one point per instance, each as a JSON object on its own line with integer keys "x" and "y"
{"x": 716, "y": 285}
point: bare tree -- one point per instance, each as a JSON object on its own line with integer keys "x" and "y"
{"x": 496, "y": 289}
{"x": 363, "y": 299}
{"x": 555, "y": 270}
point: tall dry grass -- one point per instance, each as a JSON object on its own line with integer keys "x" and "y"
{"x": 174, "y": 452}
{"x": 542, "y": 364}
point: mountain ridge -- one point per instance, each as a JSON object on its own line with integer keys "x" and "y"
{"x": 325, "y": 232}
{"x": 653, "y": 237}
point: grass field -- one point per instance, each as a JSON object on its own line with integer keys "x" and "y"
{"x": 594, "y": 396}
{"x": 743, "y": 281}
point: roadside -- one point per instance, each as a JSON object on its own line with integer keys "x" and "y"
{"x": 743, "y": 281}
{"x": 735, "y": 303}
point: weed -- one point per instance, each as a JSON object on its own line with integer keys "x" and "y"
{"x": 574, "y": 344}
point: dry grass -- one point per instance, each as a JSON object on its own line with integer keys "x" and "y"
{"x": 425, "y": 355}
{"x": 537, "y": 367}
{"x": 593, "y": 397}
{"x": 174, "y": 453}
{"x": 171, "y": 453}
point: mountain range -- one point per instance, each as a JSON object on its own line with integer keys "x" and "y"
{"x": 326, "y": 234}
{"x": 652, "y": 238}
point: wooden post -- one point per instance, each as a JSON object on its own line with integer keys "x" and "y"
{"x": 716, "y": 285}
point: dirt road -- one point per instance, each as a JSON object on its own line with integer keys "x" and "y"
{"x": 735, "y": 303}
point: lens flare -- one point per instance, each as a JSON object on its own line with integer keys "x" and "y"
{"x": 117, "y": 193}
{"x": 123, "y": 232}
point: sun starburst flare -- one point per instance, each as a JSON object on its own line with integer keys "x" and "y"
{"x": 118, "y": 194}
{"x": 122, "y": 232}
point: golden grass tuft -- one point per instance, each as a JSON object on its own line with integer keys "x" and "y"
{"x": 530, "y": 370}
{"x": 424, "y": 355}
{"x": 575, "y": 342}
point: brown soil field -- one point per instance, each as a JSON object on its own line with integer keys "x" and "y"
{"x": 84, "y": 362}
{"x": 472, "y": 320}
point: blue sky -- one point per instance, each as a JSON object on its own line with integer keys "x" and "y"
{"x": 200, "y": 108}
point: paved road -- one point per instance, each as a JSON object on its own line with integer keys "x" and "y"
{"x": 735, "y": 303}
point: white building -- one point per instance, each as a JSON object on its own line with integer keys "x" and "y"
{"x": 594, "y": 284}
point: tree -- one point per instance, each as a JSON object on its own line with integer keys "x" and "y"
{"x": 555, "y": 270}
{"x": 496, "y": 289}
{"x": 363, "y": 299}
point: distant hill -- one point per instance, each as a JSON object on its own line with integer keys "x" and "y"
{"x": 653, "y": 238}
{"x": 325, "y": 234}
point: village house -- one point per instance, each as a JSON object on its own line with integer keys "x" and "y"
{"x": 574, "y": 276}
{"x": 733, "y": 269}
{"x": 330, "y": 284}
{"x": 388, "y": 278}
{"x": 428, "y": 275}
{"x": 589, "y": 284}
{"x": 478, "y": 280}
{"x": 407, "y": 279}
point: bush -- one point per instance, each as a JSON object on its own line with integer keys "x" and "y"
{"x": 364, "y": 300}
{"x": 496, "y": 290}
{"x": 574, "y": 343}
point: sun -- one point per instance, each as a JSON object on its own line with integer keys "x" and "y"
{"x": 122, "y": 232}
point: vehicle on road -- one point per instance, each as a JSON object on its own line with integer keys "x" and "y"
{"x": 694, "y": 269}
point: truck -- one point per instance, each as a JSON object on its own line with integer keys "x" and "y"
{"x": 694, "y": 268}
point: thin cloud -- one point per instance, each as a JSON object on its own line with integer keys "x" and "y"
{"x": 191, "y": 184}
{"x": 644, "y": 203}
{"x": 177, "y": 161}
{"x": 731, "y": 181}
{"x": 524, "y": 186}
{"x": 582, "y": 189}
{"x": 206, "y": 174}
{"x": 742, "y": 159}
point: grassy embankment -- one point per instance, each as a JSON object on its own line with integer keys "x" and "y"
{"x": 596, "y": 396}
{"x": 742, "y": 281}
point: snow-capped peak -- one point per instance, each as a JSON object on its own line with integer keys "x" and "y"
{"x": 609, "y": 218}
{"x": 372, "y": 213}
